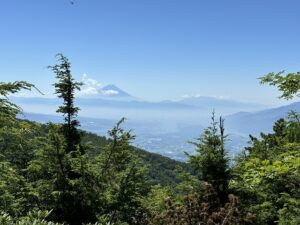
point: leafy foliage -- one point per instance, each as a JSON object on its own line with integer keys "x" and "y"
{"x": 36, "y": 218}
{"x": 201, "y": 208}
{"x": 267, "y": 173}
{"x": 267, "y": 176}
{"x": 289, "y": 85}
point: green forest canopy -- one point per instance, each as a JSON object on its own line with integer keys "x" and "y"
{"x": 58, "y": 174}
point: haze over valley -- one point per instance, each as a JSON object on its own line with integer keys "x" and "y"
{"x": 163, "y": 127}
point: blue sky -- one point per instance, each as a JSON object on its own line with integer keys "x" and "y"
{"x": 154, "y": 49}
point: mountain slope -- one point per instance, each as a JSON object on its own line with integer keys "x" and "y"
{"x": 162, "y": 170}
{"x": 114, "y": 91}
{"x": 261, "y": 121}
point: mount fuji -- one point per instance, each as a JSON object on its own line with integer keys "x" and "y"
{"x": 109, "y": 92}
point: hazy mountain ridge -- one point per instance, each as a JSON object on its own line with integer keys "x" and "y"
{"x": 261, "y": 121}
{"x": 171, "y": 139}
{"x": 215, "y": 102}
{"x": 163, "y": 127}
{"x": 112, "y": 96}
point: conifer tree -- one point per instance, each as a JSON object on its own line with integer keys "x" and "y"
{"x": 7, "y": 108}
{"x": 65, "y": 88}
{"x": 124, "y": 183}
{"x": 17, "y": 143}
{"x": 211, "y": 161}
{"x": 70, "y": 205}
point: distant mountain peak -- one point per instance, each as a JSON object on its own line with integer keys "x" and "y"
{"x": 111, "y": 86}
{"x": 109, "y": 91}
{"x": 112, "y": 90}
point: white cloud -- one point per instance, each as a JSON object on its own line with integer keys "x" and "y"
{"x": 223, "y": 97}
{"x": 88, "y": 91}
{"x": 93, "y": 87}
{"x": 90, "y": 82}
{"x": 110, "y": 92}
{"x": 90, "y": 86}
{"x": 191, "y": 96}
{"x": 185, "y": 96}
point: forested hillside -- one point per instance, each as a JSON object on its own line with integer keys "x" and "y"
{"x": 59, "y": 174}
{"x": 161, "y": 170}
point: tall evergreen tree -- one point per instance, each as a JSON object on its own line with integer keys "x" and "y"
{"x": 70, "y": 204}
{"x": 211, "y": 161}
{"x": 65, "y": 88}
